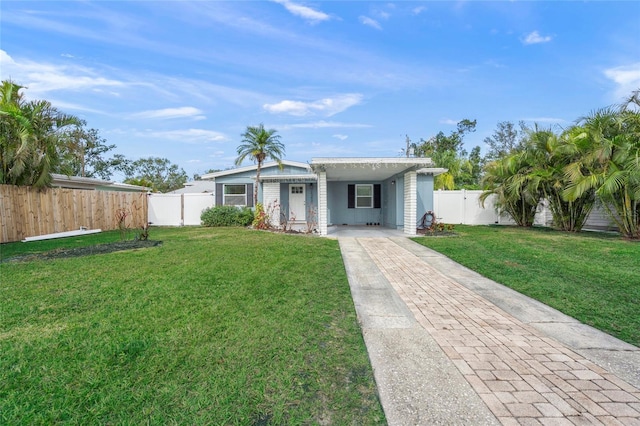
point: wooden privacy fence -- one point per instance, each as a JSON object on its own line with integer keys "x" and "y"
{"x": 29, "y": 212}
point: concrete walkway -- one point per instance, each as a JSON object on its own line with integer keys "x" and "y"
{"x": 451, "y": 347}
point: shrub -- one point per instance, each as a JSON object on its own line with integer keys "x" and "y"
{"x": 226, "y": 216}
{"x": 261, "y": 218}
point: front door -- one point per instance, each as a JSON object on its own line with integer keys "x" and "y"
{"x": 297, "y": 205}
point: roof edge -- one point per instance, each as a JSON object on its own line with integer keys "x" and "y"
{"x": 210, "y": 176}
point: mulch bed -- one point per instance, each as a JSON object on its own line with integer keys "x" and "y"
{"x": 86, "y": 251}
{"x": 436, "y": 233}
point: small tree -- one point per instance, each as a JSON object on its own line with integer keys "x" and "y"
{"x": 259, "y": 144}
{"x": 159, "y": 172}
{"x": 508, "y": 179}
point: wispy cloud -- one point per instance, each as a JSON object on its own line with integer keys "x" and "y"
{"x": 326, "y": 106}
{"x": 545, "y": 120}
{"x": 626, "y": 78}
{"x": 329, "y": 124}
{"x": 365, "y": 20}
{"x": 185, "y": 136}
{"x": 341, "y": 137}
{"x": 304, "y": 12}
{"x": 449, "y": 121}
{"x": 418, "y": 10}
{"x": 534, "y": 37}
{"x": 168, "y": 113}
{"x": 42, "y": 77}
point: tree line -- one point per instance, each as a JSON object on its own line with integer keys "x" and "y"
{"x": 597, "y": 158}
{"x": 37, "y": 139}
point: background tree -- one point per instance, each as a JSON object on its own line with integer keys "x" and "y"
{"x": 505, "y": 140}
{"x": 197, "y": 176}
{"x": 83, "y": 154}
{"x": 448, "y": 151}
{"x": 259, "y": 144}
{"x": 471, "y": 171}
{"x": 30, "y": 137}
{"x": 158, "y": 173}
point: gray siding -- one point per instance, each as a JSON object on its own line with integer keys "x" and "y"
{"x": 341, "y": 214}
{"x": 425, "y": 195}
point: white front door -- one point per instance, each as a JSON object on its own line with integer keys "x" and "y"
{"x": 297, "y": 205}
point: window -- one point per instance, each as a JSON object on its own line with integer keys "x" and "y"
{"x": 364, "y": 196}
{"x": 235, "y": 195}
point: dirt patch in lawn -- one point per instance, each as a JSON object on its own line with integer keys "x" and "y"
{"x": 86, "y": 251}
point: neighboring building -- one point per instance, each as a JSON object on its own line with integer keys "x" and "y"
{"x": 79, "y": 182}
{"x": 196, "y": 187}
{"x": 390, "y": 192}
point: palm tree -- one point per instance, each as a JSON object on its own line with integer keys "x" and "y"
{"x": 608, "y": 142}
{"x": 259, "y": 144}
{"x": 549, "y": 154}
{"x": 509, "y": 179}
{"x": 30, "y": 137}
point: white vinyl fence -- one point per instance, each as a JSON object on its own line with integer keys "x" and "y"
{"x": 456, "y": 207}
{"x": 178, "y": 209}
{"x": 463, "y": 207}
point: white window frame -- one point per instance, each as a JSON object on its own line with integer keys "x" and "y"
{"x": 225, "y": 195}
{"x": 359, "y": 197}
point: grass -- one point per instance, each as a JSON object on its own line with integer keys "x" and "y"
{"x": 593, "y": 277}
{"x": 215, "y": 326}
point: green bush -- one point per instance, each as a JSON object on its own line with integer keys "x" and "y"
{"x": 227, "y": 216}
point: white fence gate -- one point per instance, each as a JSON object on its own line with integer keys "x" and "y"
{"x": 178, "y": 209}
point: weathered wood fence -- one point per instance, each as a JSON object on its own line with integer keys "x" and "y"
{"x": 28, "y": 212}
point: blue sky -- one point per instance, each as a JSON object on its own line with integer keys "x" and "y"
{"x": 183, "y": 79}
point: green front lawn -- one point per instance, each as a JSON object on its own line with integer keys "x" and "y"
{"x": 593, "y": 277}
{"x": 215, "y": 326}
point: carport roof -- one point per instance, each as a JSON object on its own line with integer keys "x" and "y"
{"x": 371, "y": 169}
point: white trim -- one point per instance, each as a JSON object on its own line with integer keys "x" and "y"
{"x": 410, "y": 161}
{"x": 435, "y": 171}
{"x": 286, "y": 178}
{"x": 253, "y": 167}
{"x": 224, "y": 194}
{"x": 370, "y": 185}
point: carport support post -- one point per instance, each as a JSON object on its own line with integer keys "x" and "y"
{"x": 410, "y": 202}
{"x": 322, "y": 203}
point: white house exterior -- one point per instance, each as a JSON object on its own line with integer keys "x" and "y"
{"x": 389, "y": 192}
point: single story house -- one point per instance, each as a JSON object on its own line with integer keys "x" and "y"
{"x": 389, "y": 192}
{"x": 79, "y": 182}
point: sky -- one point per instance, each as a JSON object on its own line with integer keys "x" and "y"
{"x": 183, "y": 79}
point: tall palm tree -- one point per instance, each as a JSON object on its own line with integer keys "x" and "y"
{"x": 259, "y": 144}
{"x": 608, "y": 142}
